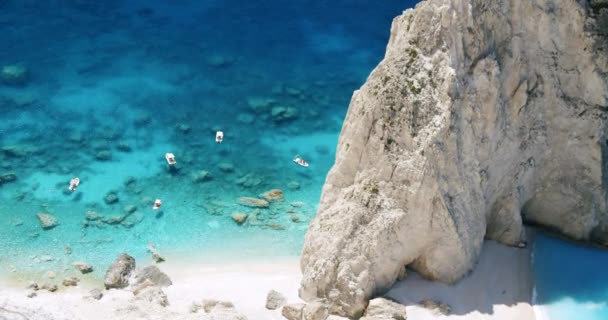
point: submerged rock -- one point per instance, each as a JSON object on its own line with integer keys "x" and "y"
{"x": 104, "y": 155}
{"x": 7, "y": 177}
{"x": 283, "y": 113}
{"x": 47, "y": 221}
{"x": 239, "y": 218}
{"x": 249, "y": 180}
{"x": 293, "y": 185}
{"x": 83, "y": 267}
{"x": 117, "y": 275}
{"x": 71, "y": 281}
{"x": 201, "y": 176}
{"x": 453, "y": 139}
{"x": 14, "y": 75}
{"x": 226, "y": 166}
{"x": 275, "y": 300}
{"x": 384, "y": 309}
{"x": 273, "y": 195}
{"x": 253, "y": 202}
{"x": 110, "y": 198}
{"x": 156, "y": 256}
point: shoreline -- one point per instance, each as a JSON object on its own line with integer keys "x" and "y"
{"x": 245, "y": 281}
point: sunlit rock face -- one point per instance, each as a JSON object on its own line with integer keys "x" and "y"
{"x": 482, "y": 115}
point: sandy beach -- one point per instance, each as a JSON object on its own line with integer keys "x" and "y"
{"x": 499, "y": 288}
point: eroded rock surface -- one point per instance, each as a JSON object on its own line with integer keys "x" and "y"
{"x": 483, "y": 114}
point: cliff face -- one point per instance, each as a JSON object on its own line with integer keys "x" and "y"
{"x": 483, "y": 114}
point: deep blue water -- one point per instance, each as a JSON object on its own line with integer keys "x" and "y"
{"x": 571, "y": 280}
{"x": 111, "y": 86}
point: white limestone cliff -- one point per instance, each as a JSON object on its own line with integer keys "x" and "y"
{"x": 483, "y": 114}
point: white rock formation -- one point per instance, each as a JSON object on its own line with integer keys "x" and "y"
{"x": 483, "y": 114}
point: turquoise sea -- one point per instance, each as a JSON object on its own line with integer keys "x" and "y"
{"x": 101, "y": 90}
{"x": 571, "y": 279}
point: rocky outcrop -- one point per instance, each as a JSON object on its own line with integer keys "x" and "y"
{"x": 117, "y": 275}
{"x": 482, "y": 115}
{"x": 47, "y": 221}
{"x": 275, "y": 300}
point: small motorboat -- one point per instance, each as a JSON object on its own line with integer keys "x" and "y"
{"x": 157, "y": 204}
{"x": 74, "y": 184}
{"x": 300, "y": 161}
{"x": 219, "y": 136}
{"x": 170, "y": 158}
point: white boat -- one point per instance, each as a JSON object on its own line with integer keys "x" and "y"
{"x": 300, "y": 161}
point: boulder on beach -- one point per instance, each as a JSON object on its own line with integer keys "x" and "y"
{"x": 117, "y": 275}
{"x": 275, "y": 300}
{"x": 293, "y": 311}
{"x": 381, "y": 308}
{"x": 316, "y": 310}
{"x": 253, "y": 202}
{"x": 49, "y": 287}
{"x": 47, "y": 221}
{"x": 153, "y": 294}
{"x": 153, "y": 274}
{"x": 96, "y": 294}
{"x": 273, "y": 195}
{"x": 438, "y": 308}
{"x": 83, "y": 267}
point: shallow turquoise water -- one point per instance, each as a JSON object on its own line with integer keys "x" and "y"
{"x": 137, "y": 79}
{"x": 571, "y": 280}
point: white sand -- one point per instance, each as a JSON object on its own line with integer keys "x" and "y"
{"x": 499, "y": 288}
{"x": 245, "y": 284}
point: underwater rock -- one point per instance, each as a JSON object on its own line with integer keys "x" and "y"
{"x": 183, "y": 128}
{"x": 253, "y": 202}
{"x": 217, "y": 60}
{"x": 153, "y": 294}
{"x": 46, "y": 258}
{"x": 384, "y": 309}
{"x": 226, "y": 166}
{"x": 96, "y": 294}
{"x": 239, "y": 218}
{"x": 92, "y": 215}
{"x": 322, "y": 150}
{"x": 104, "y": 155}
{"x": 275, "y": 300}
{"x": 297, "y": 204}
{"x": 283, "y": 113}
{"x": 71, "y": 281}
{"x": 47, "y": 221}
{"x": 293, "y": 311}
{"x": 477, "y": 120}
{"x": 129, "y": 208}
{"x": 293, "y": 185}
{"x": 67, "y": 249}
{"x": 118, "y": 273}
{"x": 8, "y": 177}
{"x": 249, "y": 180}
{"x": 275, "y": 226}
{"x": 245, "y": 118}
{"x": 123, "y": 146}
{"x": 152, "y": 273}
{"x": 110, "y": 197}
{"x": 201, "y": 176}
{"x": 15, "y": 151}
{"x": 273, "y": 195}
{"x": 142, "y": 119}
{"x": 260, "y": 104}
{"x": 14, "y": 75}
{"x": 438, "y": 308}
{"x": 83, "y": 267}
{"x": 294, "y": 218}
{"x": 75, "y": 137}
{"x": 156, "y": 256}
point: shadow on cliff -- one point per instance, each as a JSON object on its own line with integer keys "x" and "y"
{"x": 503, "y": 276}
